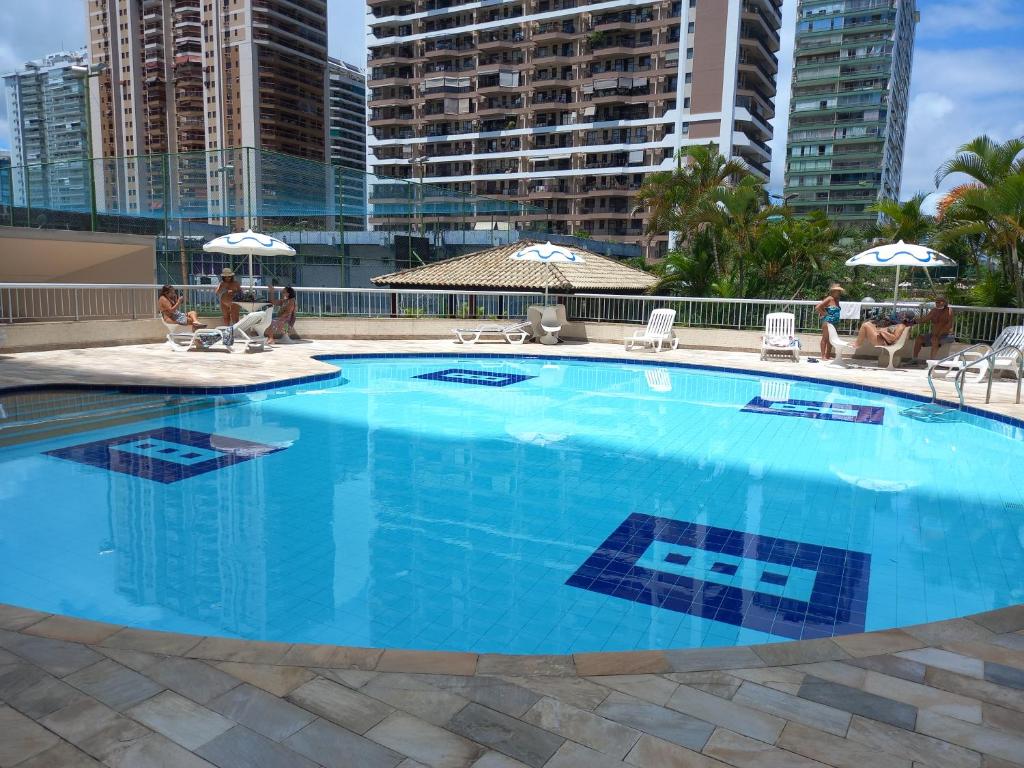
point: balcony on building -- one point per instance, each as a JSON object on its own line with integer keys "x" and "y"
{"x": 495, "y": 40}
{"x": 628, "y": 19}
{"x": 492, "y": 81}
{"x": 553, "y": 30}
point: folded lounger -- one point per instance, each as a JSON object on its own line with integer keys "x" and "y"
{"x": 517, "y": 333}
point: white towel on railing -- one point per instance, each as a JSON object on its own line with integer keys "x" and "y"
{"x": 849, "y": 310}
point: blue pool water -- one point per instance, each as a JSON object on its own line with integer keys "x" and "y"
{"x": 510, "y": 505}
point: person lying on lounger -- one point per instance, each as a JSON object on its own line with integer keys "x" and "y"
{"x": 170, "y": 309}
{"x": 883, "y": 334}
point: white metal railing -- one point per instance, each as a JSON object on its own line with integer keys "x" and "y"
{"x": 36, "y": 302}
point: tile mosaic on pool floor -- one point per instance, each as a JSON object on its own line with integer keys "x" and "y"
{"x": 165, "y": 455}
{"x": 822, "y": 593}
{"x": 481, "y": 378}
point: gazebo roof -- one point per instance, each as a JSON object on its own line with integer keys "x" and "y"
{"x": 493, "y": 269}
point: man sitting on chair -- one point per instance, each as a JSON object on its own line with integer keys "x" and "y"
{"x": 941, "y": 319}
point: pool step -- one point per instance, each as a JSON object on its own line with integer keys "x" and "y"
{"x": 47, "y": 414}
{"x": 932, "y": 413}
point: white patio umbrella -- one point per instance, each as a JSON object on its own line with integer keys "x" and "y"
{"x": 249, "y": 244}
{"x": 900, "y": 255}
{"x": 547, "y": 253}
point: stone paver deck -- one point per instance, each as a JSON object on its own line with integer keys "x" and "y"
{"x": 81, "y": 693}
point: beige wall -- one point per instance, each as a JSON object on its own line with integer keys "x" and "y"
{"x": 709, "y": 57}
{"x": 55, "y": 256}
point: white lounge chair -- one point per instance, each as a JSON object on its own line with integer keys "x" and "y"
{"x": 658, "y": 331}
{"x": 844, "y": 348}
{"x": 780, "y": 336}
{"x": 250, "y": 330}
{"x": 892, "y": 349}
{"x": 516, "y": 333}
{"x": 1010, "y": 337}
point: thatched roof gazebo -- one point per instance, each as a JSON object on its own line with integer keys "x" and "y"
{"x": 494, "y": 270}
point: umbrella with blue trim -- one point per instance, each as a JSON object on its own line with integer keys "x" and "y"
{"x": 547, "y": 253}
{"x": 900, "y": 255}
{"x": 249, "y": 244}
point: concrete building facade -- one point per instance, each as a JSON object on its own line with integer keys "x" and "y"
{"x": 195, "y": 76}
{"x": 848, "y": 113}
{"x": 346, "y": 96}
{"x": 46, "y": 115}
{"x": 567, "y": 105}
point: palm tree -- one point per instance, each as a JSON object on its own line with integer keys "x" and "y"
{"x": 904, "y": 221}
{"x": 985, "y": 161}
{"x": 741, "y": 213}
{"x": 997, "y": 213}
{"x": 691, "y": 271}
{"x": 672, "y": 198}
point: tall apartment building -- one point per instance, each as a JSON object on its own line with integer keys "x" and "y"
{"x": 46, "y": 114}
{"x": 346, "y": 96}
{"x": 848, "y": 114}
{"x": 568, "y": 104}
{"x": 201, "y": 75}
{"x": 5, "y": 178}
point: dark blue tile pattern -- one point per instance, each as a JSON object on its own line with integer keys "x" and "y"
{"x": 676, "y": 558}
{"x": 482, "y": 378}
{"x": 837, "y": 604}
{"x": 777, "y": 579}
{"x": 164, "y": 455}
{"x": 813, "y": 409}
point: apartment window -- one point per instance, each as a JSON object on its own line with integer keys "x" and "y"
{"x": 689, "y": 53}
{"x": 688, "y": 78}
{"x": 690, "y": 28}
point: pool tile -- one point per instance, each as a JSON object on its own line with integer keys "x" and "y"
{"x": 480, "y": 378}
{"x": 841, "y": 578}
{"x": 165, "y": 455}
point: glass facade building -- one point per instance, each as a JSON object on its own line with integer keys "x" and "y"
{"x": 848, "y": 112}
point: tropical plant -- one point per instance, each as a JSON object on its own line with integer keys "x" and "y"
{"x": 996, "y": 213}
{"x": 741, "y": 214}
{"x": 904, "y": 221}
{"x": 677, "y": 200}
{"x": 985, "y": 162}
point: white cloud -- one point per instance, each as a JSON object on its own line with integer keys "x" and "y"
{"x": 956, "y": 17}
{"x": 957, "y": 95}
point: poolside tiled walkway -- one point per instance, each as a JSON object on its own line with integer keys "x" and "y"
{"x": 79, "y": 693}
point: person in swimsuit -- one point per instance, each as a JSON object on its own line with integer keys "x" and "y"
{"x": 285, "y": 318}
{"x": 828, "y": 310}
{"x": 169, "y": 304}
{"x": 941, "y": 320}
{"x": 879, "y": 336}
{"x": 229, "y": 286}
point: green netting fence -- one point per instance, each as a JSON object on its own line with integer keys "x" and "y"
{"x": 235, "y": 188}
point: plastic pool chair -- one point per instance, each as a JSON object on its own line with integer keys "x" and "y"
{"x": 250, "y": 329}
{"x": 780, "y": 336}
{"x": 844, "y": 348}
{"x": 658, "y": 331}
{"x": 892, "y": 349}
{"x": 516, "y": 333}
{"x": 1011, "y": 337}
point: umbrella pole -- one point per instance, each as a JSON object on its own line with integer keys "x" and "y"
{"x": 896, "y": 288}
{"x": 252, "y": 282}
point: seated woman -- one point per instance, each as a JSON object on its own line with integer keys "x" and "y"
{"x": 284, "y": 315}
{"x": 883, "y": 335}
{"x": 169, "y": 304}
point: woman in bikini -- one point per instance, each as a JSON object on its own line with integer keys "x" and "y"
{"x": 828, "y": 311}
{"x": 169, "y": 304}
{"x": 880, "y": 336}
{"x": 285, "y": 318}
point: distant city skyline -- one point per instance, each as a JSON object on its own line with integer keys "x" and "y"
{"x": 966, "y": 75}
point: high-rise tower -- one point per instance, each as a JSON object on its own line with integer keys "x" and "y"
{"x": 195, "y": 76}
{"x": 567, "y": 105}
{"x": 848, "y": 114}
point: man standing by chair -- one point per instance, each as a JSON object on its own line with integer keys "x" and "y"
{"x": 941, "y": 320}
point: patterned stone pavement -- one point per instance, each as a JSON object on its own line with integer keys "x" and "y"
{"x": 80, "y": 693}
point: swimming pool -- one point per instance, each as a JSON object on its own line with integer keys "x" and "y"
{"x": 508, "y": 504}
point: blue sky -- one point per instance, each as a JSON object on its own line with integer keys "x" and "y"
{"x": 968, "y": 76}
